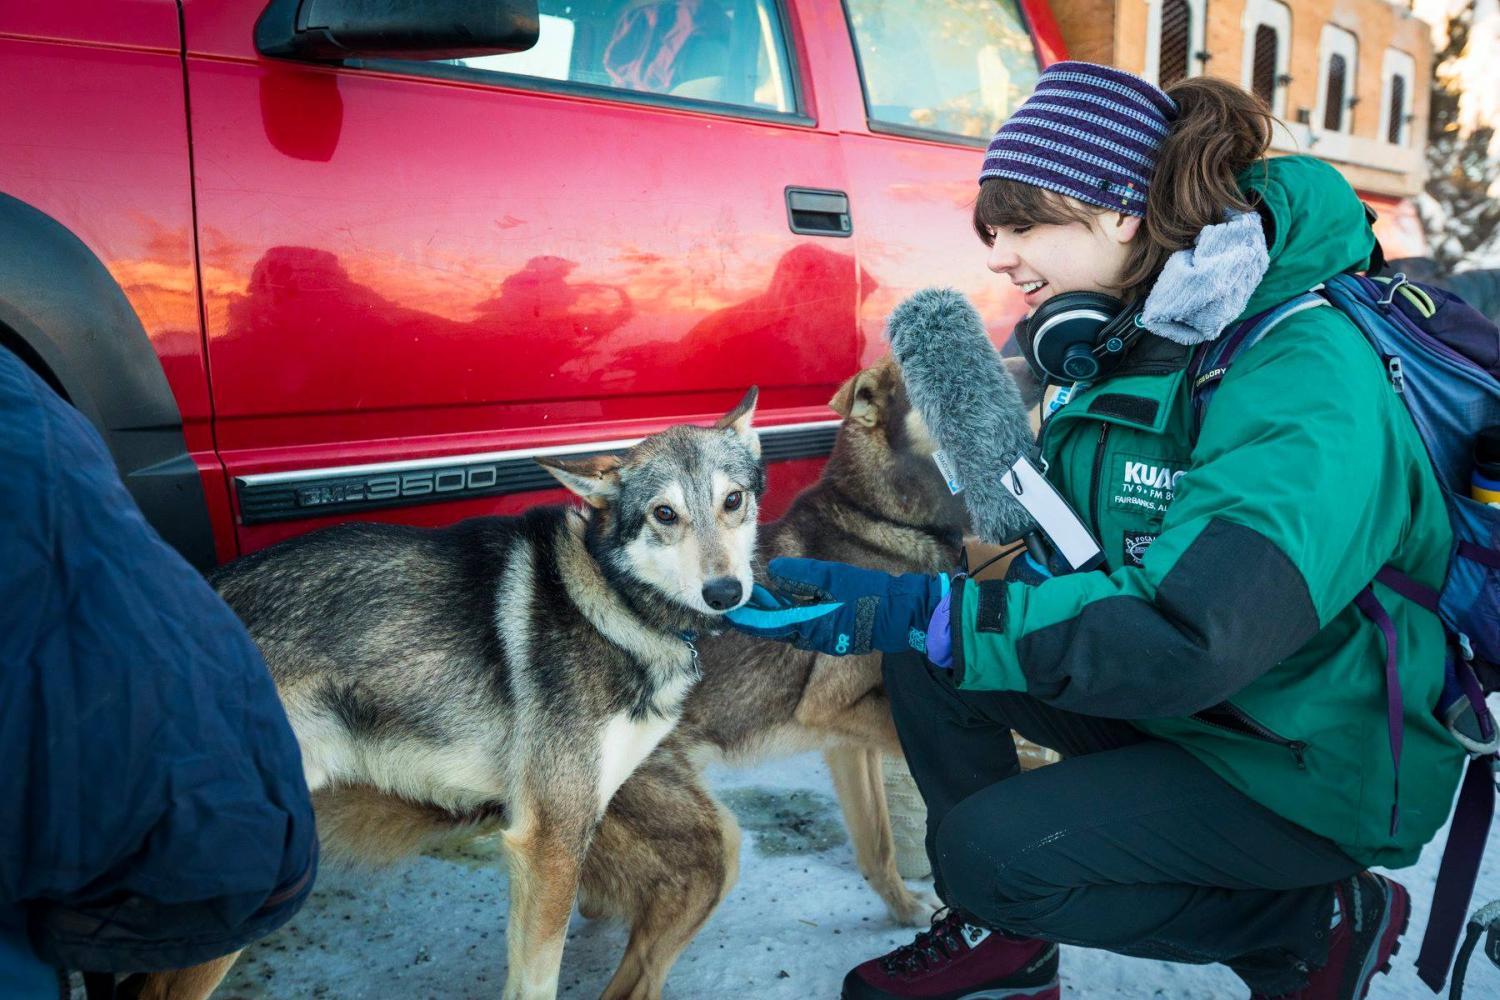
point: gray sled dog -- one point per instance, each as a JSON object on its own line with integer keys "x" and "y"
{"x": 667, "y": 852}
{"x": 502, "y": 673}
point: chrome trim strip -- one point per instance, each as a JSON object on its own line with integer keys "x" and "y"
{"x": 373, "y": 468}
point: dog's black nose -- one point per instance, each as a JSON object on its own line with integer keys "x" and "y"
{"x": 723, "y": 593}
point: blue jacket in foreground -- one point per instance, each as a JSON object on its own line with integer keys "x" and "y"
{"x": 153, "y": 812}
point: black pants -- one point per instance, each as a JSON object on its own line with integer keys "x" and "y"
{"x": 1128, "y": 844}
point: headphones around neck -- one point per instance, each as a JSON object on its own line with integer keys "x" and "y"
{"x": 1079, "y": 336}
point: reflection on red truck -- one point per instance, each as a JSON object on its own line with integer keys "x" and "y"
{"x": 293, "y": 290}
{"x": 294, "y": 284}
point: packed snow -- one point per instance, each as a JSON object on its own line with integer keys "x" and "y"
{"x": 798, "y": 919}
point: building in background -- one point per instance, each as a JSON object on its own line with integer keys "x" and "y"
{"x": 1350, "y": 78}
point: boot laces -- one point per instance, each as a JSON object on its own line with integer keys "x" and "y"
{"x": 933, "y": 946}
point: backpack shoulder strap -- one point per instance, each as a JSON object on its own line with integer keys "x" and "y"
{"x": 1212, "y": 360}
{"x": 1459, "y": 870}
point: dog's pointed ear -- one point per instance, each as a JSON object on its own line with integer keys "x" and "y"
{"x": 739, "y": 420}
{"x": 855, "y": 399}
{"x": 595, "y": 480}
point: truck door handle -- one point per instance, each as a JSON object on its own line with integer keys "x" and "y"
{"x": 817, "y": 212}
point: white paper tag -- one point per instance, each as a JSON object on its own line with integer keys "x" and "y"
{"x": 950, "y": 475}
{"x": 1068, "y": 534}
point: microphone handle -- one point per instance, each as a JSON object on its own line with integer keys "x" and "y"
{"x": 1037, "y": 548}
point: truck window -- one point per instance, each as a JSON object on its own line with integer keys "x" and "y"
{"x": 958, "y": 67}
{"x": 724, "y": 51}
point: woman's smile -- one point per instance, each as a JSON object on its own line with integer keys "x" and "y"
{"x": 1032, "y": 292}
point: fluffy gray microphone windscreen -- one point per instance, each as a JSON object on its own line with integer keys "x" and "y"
{"x": 972, "y": 406}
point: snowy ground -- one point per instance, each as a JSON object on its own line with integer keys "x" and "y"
{"x": 798, "y": 919}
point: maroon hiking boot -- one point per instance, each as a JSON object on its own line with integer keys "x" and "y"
{"x": 953, "y": 960}
{"x": 1373, "y": 912}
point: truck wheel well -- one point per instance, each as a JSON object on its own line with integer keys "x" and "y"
{"x": 13, "y": 342}
{"x": 65, "y": 315}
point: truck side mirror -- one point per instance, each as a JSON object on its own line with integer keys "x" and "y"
{"x": 335, "y": 30}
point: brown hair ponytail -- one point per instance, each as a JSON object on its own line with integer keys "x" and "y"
{"x": 1220, "y": 129}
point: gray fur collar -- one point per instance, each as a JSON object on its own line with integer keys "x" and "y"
{"x": 1202, "y": 289}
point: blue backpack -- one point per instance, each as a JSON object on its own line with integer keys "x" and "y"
{"x": 1443, "y": 359}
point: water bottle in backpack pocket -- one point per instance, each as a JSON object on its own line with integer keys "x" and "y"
{"x": 1470, "y": 606}
{"x": 1472, "y": 581}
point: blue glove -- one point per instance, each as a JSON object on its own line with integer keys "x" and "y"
{"x": 834, "y": 608}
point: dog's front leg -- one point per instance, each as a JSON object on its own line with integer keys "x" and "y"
{"x": 545, "y": 857}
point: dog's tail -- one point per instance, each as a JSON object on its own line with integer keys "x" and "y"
{"x": 358, "y": 824}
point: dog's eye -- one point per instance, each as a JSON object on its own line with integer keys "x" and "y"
{"x": 664, "y": 514}
{"x": 734, "y": 500}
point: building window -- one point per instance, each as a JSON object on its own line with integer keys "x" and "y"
{"x": 1176, "y": 43}
{"x": 1267, "y": 29}
{"x": 1333, "y": 98}
{"x": 1176, "y": 40}
{"x": 1397, "y": 110}
{"x": 1339, "y": 83}
{"x": 1398, "y": 74}
{"x": 1263, "y": 72}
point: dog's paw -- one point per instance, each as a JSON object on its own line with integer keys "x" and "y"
{"x": 914, "y": 909}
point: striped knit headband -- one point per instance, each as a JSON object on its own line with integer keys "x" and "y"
{"x": 1088, "y": 131}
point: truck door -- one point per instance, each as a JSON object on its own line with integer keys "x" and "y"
{"x": 418, "y": 275}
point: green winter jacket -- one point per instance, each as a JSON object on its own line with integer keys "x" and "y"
{"x": 1222, "y": 620}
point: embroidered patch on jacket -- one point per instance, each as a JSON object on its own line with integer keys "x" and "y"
{"x": 1136, "y": 544}
{"x": 1143, "y": 485}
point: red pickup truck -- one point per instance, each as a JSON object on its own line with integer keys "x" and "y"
{"x": 312, "y": 260}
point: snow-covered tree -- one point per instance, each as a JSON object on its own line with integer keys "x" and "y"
{"x": 1460, "y": 208}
